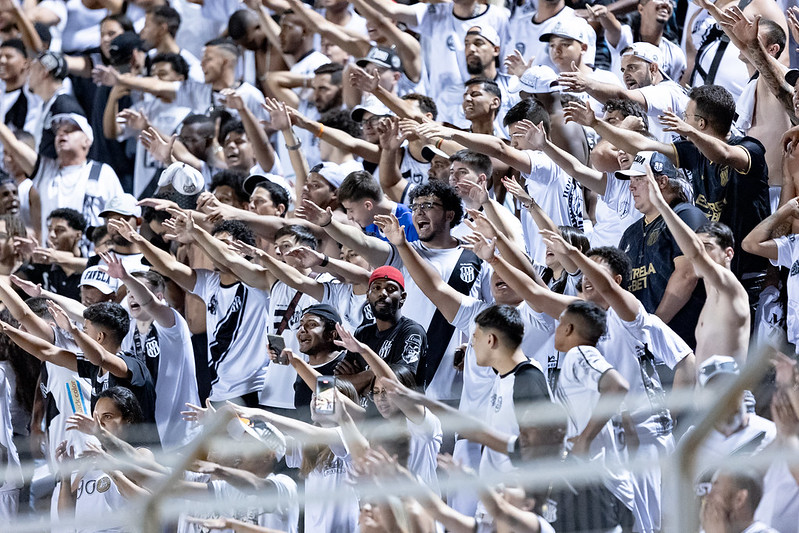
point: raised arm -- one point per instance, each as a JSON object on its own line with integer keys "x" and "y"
{"x": 484, "y": 144}
{"x": 40, "y": 349}
{"x": 578, "y": 82}
{"x": 281, "y": 120}
{"x": 630, "y": 141}
{"x": 541, "y": 299}
{"x": 92, "y": 350}
{"x": 343, "y": 270}
{"x": 282, "y": 271}
{"x": 109, "y": 76}
{"x": 338, "y": 138}
{"x": 760, "y": 240}
{"x": 73, "y": 307}
{"x": 158, "y": 309}
{"x": 447, "y": 299}
{"x": 264, "y": 153}
{"x": 354, "y": 45}
{"x": 161, "y": 261}
{"x": 535, "y": 139}
{"x": 23, "y": 155}
{"x": 22, "y": 313}
{"x": 374, "y": 250}
{"x": 621, "y": 300}
{"x": 715, "y": 149}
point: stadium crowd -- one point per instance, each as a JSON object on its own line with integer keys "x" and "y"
{"x": 376, "y": 247}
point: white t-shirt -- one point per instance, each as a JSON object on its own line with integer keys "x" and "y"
{"x": 779, "y": 506}
{"x": 98, "y": 497}
{"x": 578, "y": 391}
{"x": 673, "y": 60}
{"x": 278, "y": 390}
{"x": 12, "y": 475}
{"x": 525, "y": 36}
{"x": 69, "y": 187}
{"x": 666, "y": 95}
{"x": 557, "y": 193}
{"x": 479, "y": 380}
{"x": 443, "y": 45}
{"x": 450, "y": 105}
{"x": 82, "y": 30}
{"x": 788, "y": 257}
{"x": 236, "y": 317}
{"x": 306, "y": 67}
{"x": 59, "y": 9}
{"x": 731, "y": 73}
{"x": 748, "y": 440}
{"x": 353, "y": 308}
{"x": 165, "y": 117}
{"x": 200, "y": 97}
{"x": 615, "y": 212}
{"x": 175, "y": 377}
{"x": 283, "y": 516}
{"x": 425, "y": 443}
{"x": 447, "y": 382}
{"x": 321, "y": 514}
{"x": 196, "y": 29}
{"x": 9, "y": 98}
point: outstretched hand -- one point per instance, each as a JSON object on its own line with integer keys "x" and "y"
{"x": 390, "y": 226}
{"x": 482, "y": 247}
{"x": 347, "y": 341}
{"x": 60, "y": 316}
{"x": 580, "y": 113}
{"x": 114, "y": 267}
{"x": 314, "y": 214}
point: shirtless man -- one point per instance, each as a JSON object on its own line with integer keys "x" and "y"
{"x": 723, "y": 326}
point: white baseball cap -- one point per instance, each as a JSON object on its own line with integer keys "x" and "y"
{"x": 645, "y": 51}
{"x": 99, "y": 279}
{"x": 538, "y": 79}
{"x": 486, "y": 32}
{"x": 569, "y": 28}
{"x": 372, "y": 105}
{"x": 185, "y": 179}
{"x": 332, "y": 173}
{"x": 73, "y": 118}
{"x": 123, "y": 204}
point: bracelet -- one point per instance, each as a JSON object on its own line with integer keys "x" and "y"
{"x": 438, "y": 144}
{"x": 325, "y": 261}
{"x": 319, "y": 133}
{"x": 326, "y": 225}
{"x": 295, "y": 146}
{"x": 527, "y": 206}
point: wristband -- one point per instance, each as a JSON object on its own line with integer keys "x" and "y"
{"x": 438, "y": 144}
{"x": 295, "y": 146}
{"x": 321, "y": 129}
{"x": 325, "y": 261}
{"x": 326, "y": 225}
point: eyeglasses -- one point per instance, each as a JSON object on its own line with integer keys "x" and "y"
{"x": 425, "y": 206}
{"x": 381, "y": 394}
{"x": 685, "y": 116}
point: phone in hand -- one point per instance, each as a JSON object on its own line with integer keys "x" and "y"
{"x": 277, "y": 344}
{"x": 325, "y": 402}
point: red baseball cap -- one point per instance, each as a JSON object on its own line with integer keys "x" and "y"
{"x": 388, "y": 272}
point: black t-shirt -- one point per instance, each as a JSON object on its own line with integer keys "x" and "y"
{"x": 403, "y": 344}
{"x": 140, "y": 382}
{"x": 54, "y": 279}
{"x": 302, "y": 394}
{"x": 738, "y": 199}
{"x": 529, "y": 384}
{"x": 652, "y": 249}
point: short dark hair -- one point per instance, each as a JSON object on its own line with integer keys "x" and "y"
{"x": 233, "y": 179}
{"x": 125, "y": 23}
{"x": 359, "y": 185}
{"x": 528, "y": 109}
{"x": 628, "y": 108}
{"x": 773, "y": 34}
{"x": 444, "y": 192}
{"x": 169, "y": 16}
{"x": 237, "y": 229}
{"x": 17, "y": 45}
{"x": 97, "y": 233}
{"x": 426, "y": 104}
{"x": 302, "y": 234}
{"x": 341, "y": 119}
{"x": 278, "y": 193}
{"x": 335, "y": 70}
{"x": 126, "y": 402}
{"x": 228, "y": 127}
{"x": 179, "y": 65}
{"x": 617, "y": 260}
{"x": 111, "y": 317}
{"x": 490, "y": 86}
{"x": 239, "y": 22}
{"x": 716, "y": 105}
{"x": 575, "y": 237}
{"x": 14, "y": 226}
{"x": 480, "y": 163}
{"x": 153, "y": 279}
{"x": 504, "y": 319}
{"x": 38, "y": 306}
{"x": 73, "y": 218}
{"x": 720, "y": 232}
{"x": 225, "y": 43}
{"x": 195, "y": 119}
{"x": 747, "y": 479}
{"x": 593, "y": 320}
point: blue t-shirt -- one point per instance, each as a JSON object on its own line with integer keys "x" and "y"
{"x": 405, "y": 217}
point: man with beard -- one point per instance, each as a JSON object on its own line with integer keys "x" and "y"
{"x": 123, "y": 208}
{"x": 436, "y": 209}
{"x": 397, "y": 339}
{"x": 482, "y": 45}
